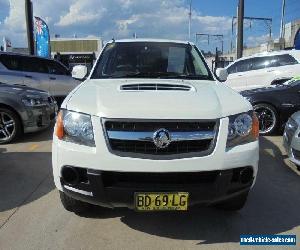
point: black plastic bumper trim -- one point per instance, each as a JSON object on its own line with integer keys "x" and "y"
{"x": 223, "y": 187}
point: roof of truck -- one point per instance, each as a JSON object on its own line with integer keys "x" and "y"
{"x": 150, "y": 40}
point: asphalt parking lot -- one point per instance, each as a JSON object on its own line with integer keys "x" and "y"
{"x": 31, "y": 216}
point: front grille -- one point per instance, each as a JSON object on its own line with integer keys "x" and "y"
{"x": 50, "y": 100}
{"x": 149, "y": 147}
{"x": 151, "y": 126}
{"x": 156, "y": 87}
{"x": 113, "y": 179}
{"x": 135, "y": 146}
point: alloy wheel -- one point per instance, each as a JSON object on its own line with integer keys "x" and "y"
{"x": 7, "y": 126}
{"x": 267, "y": 118}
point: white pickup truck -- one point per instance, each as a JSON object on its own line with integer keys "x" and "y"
{"x": 152, "y": 130}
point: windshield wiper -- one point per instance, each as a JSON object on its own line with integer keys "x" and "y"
{"x": 171, "y": 75}
{"x": 125, "y": 75}
{"x": 151, "y": 74}
{"x": 198, "y": 77}
{"x": 166, "y": 75}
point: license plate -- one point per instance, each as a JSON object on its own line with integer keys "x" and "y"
{"x": 161, "y": 201}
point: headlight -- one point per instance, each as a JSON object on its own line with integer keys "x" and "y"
{"x": 242, "y": 128}
{"x": 33, "y": 101}
{"x": 75, "y": 127}
{"x": 291, "y": 124}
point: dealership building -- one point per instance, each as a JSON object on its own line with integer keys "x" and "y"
{"x": 76, "y": 51}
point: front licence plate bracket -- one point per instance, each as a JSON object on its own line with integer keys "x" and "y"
{"x": 163, "y": 201}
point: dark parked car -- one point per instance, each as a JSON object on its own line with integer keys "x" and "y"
{"x": 24, "y": 110}
{"x": 275, "y": 104}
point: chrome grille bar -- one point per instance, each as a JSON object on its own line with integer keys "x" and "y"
{"x": 148, "y": 136}
{"x": 134, "y": 138}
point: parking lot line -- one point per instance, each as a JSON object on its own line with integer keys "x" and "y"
{"x": 33, "y": 147}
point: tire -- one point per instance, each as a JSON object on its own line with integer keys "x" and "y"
{"x": 71, "y": 204}
{"x": 234, "y": 204}
{"x": 268, "y": 118}
{"x": 10, "y": 126}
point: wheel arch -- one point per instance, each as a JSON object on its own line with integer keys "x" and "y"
{"x": 3, "y": 105}
{"x": 268, "y": 103}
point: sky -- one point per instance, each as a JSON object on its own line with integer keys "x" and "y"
{"x": 147, "y": 18}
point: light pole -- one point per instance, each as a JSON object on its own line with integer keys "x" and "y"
{"x": 29, "y": 24}
{"x": 190, "y": 19}
{"x": 240, "y": 30}
{"x": 282, "y": 19}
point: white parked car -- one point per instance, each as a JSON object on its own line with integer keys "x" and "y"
{"x": 263, "y": 69}
{"x": 151, "y": 129}
{"x": 40, "y": 73}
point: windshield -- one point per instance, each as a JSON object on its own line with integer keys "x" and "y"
{"x": 151, "y": 60}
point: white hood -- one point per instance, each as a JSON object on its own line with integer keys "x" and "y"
{"x": 207, "y": 100}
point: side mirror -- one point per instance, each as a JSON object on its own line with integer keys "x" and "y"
{"x": 79, "y": 72}
{"x": 222, "y": 74}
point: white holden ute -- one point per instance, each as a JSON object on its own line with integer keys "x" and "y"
{"x": 152, "y": 129}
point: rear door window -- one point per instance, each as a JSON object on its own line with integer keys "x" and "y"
{"x": 32, "y": 64}
{"x": 11, "y": 62}
{"x": 262, "y": 62}
{"x": 56, "y": 68}
{"x": 258, "y": 63}
{"x": 283, "y": 60}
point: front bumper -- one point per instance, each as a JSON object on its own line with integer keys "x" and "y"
{"x": 39, "y": 118}
{"x": 117, "y": 189}
{"x": 99, "y": 160}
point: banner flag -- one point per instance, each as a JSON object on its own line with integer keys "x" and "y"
{"x": 42, "y": 38}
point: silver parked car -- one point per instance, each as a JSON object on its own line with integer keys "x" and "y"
{"x": 24, "y": 110}
{"x": 291, "y": 139}
{"x": 36, "y": 72}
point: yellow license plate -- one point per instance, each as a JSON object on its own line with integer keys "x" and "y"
{"x": 161, "y": 201}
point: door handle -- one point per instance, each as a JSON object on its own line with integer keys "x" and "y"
{"x": 52, "y": 78}
{"x": 28, "y": 76}
{"x": 271, "y": 70}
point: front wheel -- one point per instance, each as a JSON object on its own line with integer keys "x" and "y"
{"x": 10, "y": 126}
{"x": 268, "y": 118}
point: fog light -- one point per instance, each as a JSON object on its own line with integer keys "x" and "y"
{"x": 246, "y": 175}
{"x": 70, "y": 175}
